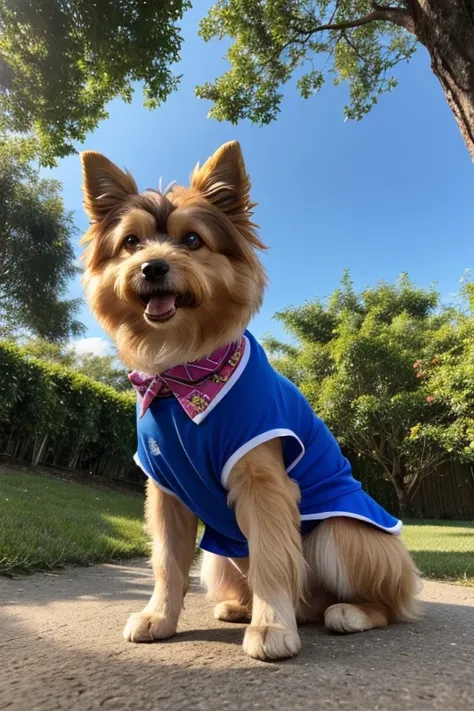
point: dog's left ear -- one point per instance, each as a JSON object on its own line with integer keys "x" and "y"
{"x": 223, "y": 179}
{"x": 224, "y": 182}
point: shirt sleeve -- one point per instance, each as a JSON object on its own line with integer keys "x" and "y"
{"x": 292, "y": 446}
{"x": 261, "y": 406}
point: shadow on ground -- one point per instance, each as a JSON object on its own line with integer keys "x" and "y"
{"x": 62, "y": 649}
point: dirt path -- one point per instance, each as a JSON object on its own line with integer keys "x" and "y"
{"x": 61, "y": 648}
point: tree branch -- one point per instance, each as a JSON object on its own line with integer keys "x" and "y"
{"x": 380, "y": 13}
{"x": 397, "y": 16}
{"x": 433, "y": 464}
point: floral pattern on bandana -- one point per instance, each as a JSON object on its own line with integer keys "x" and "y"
{"x": 195, "y": 385}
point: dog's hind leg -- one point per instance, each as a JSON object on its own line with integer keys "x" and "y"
{"x": 368, "y": 571}
{"x": 226, "y": 583}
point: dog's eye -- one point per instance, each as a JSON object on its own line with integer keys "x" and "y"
{"x": 192, "y": 241}
{"x": 130, "y": 242}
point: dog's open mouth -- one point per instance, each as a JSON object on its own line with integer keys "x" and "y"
{"x": 159, "y": 305}
{"x": 162, "y": 305}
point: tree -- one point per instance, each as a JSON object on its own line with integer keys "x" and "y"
{"x": 359, "y": 42}
{"x": 449, "y": 378}
{"x": 50, "y": 352}
{"x": 369, "y": 365}
{"x": 105, "y": 369}
{"x": 62, "y": 62}
{"x": 36, "y": 254}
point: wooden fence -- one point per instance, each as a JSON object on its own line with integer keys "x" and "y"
{"x": 447, "y": 494}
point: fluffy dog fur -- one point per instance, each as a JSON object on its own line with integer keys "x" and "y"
{"x": 346, "y": 573}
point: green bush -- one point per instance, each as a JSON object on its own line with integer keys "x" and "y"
{"x": 65, "y": 417}
{"x": 390, "y": 370}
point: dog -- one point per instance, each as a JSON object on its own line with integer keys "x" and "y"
{"x": 174, "y": 277}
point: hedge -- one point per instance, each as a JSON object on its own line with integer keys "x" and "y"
{"x": 52, "y": 415}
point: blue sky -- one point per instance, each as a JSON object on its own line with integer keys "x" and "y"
{"x": 391, "y": 193}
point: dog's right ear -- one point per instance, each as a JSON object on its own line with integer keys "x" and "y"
{"x": 104, "y": 185}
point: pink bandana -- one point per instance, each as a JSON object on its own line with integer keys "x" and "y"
{"x": 195, "y": 385}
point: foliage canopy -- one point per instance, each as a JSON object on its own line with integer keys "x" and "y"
{"x": 391, "y": 371}
{"x": 62, "y": 62}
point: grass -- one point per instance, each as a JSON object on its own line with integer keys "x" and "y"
{"x": 46, "y": 523}
{"x": 443, "y": 550}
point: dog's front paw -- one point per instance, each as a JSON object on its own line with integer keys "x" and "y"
{"x": 147, "y": 627}
{"x": 271, "y": 642}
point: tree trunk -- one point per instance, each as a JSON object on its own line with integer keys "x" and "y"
{"x": 402, "y": 499}
{"x": 398, "y": 480}
{"x": 446, "y": 29}
{"x": 38, "y": 450}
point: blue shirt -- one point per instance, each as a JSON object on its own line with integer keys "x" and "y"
{"x": 193, "y": 461}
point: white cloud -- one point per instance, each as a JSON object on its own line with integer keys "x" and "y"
{"x": 97, "y": 346}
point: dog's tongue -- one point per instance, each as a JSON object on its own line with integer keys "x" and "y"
{"x": 160, "y": 305}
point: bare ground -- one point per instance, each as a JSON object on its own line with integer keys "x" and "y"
{"x": 61, "y": 648}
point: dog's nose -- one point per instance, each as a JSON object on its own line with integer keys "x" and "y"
{"x": 155, "y": 269}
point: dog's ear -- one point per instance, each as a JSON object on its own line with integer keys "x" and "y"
{"x": 104, "y": 185}
{"x": 223, "y": 179}
{"x": 224, "y": 182}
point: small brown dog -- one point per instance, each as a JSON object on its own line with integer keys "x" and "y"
{"x": 174, "y": 278}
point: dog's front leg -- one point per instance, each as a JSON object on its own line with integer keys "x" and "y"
{"x": 173, "y": 529}
{"x": 266, "y": 506}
